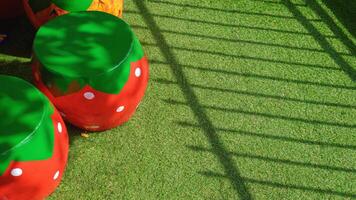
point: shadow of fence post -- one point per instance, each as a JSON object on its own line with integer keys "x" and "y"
{"x": 206, "y": 125}
{"x": 339, "y": 60}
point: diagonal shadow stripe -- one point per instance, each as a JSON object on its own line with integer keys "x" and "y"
{"x": 255, "y": 94}
{"x": 235, "y": 40}
{"x": 278, "y": 2}
{"x": 345, "y": 66}
{"x": 286, "y": 186}
{"x": 267, "y": 115}
{"x": 217, "y": 146}
{"x": 214, "y": 23}
{"x": 280, "y": 161}
{"x": 258, "y": 76}
{"x": 332, "y": 25}
{"x": 274, "y": 137}
{"x": 205, "y": 8}
{"x": 246, "y": 57}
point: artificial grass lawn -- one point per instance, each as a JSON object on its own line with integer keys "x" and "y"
{"x": 249, "y": 99}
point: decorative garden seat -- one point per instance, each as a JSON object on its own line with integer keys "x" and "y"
{"x": 33, "y": 142}
{"x": 92, "y": 67}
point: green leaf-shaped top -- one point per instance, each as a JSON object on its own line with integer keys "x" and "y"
{"x": 83, "y": 44}
{"x": 26, "y": 128}
{"x": 86, "y": 48}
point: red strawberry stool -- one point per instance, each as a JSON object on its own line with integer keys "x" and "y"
{"x": 92, "y": 68}
{"x": 33, "y": 142}
{"x": 10, "y": 8}
{"x": 41, "y": 11}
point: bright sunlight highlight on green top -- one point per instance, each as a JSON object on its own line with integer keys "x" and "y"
{"x": 83, "y": 44}
{"x": 73, "y": 5}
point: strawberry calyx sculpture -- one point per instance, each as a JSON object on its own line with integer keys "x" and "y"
{"x": 92, "y": 67}
{"x": 33, "y": 142}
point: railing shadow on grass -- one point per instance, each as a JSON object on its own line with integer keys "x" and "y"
{"x": 278, "y": 2}
{"x": 235, "y": 40}
{"x": 263, "y": 77}
{"x": 323, "y": 42}
{"x": 321, "y": 39}
{"x": 266, "y": 115}
{"x": 259, "y": 95}
{"x": 283, "y": 185}
{"x": 345, "y": 11}
{"x": 280, "y": 161}
{"x": 274, "y": 137}
{"x": 215, "y": 23}
{"x": 247, "y": 57}
{"x": 226, "y": 10}
{"x": 269, "y": 136}
{"x": 230, "y": 168}
{"x": 204, "y": 122}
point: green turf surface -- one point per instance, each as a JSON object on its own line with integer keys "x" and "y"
{"x": 248, "y": 99}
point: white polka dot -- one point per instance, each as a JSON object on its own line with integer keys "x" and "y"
{"x": 89, "y": 95}
{"x": 16, "y": 172}
{"x": 138, "y": 72}
{"x": 56, "y": 175}
{"x": 59, "y": 126}
{"x": 120, "y": 109}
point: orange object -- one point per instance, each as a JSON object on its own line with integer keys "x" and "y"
{"x": 84, "y": 135}
{"x": 41, "y": 11}
{"x": 113, "y": 7}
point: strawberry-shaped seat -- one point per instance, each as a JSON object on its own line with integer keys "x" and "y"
{"x": 41, "y": 11}
{"x": 92, "y": 67}
{"x": 33, "y": 142}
